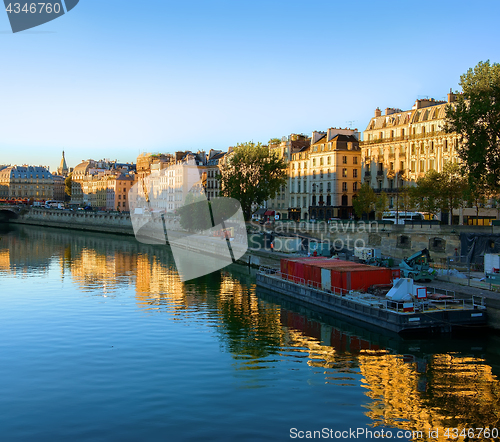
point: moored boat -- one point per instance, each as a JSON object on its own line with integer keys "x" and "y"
{"x": 406, "y": 308}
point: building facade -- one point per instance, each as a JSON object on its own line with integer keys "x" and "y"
{"x": 325, "y": 176}
{"x": 166, "y": 185}
{"x": 280, "y": 205}
{"x": 401, "y": 146}
{"x": 89, "y": 186}
{"x": 26, "y": 182}
{"x": 59, "y": 188}
{"x": 211, "y": 183}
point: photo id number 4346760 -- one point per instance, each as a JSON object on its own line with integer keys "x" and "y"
{"x": 34, "y": 8}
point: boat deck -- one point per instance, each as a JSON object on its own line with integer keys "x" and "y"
{"x": 441, "y": 316}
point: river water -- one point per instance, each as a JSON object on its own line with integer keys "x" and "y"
{"x": 100, "y": 340}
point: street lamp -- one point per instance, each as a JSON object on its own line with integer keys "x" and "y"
{"x": 397, "y": 197}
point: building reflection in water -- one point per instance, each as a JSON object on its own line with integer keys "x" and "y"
{"x": 406, "y": 389}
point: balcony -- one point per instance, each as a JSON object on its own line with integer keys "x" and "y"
{"x": 380, "y": 173}
{"x": 367, "y": 173}
{"x": 384, "y": 140}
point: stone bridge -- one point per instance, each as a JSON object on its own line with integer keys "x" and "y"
{"x": 8, "y": 213}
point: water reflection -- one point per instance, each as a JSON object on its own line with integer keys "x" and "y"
{"x": 410, "y": 385}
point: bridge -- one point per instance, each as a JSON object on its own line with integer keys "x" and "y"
{"x": 7, "y": 213}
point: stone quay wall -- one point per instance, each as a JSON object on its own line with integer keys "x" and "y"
{"x": 79, "y": 220}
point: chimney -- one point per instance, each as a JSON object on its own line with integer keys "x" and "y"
{"x": 316, "y": 136}
{"x": 378, "y": 112}
{"x": 451, "y": 97}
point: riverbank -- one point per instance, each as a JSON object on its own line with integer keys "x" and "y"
{"x": 119, "y": 223}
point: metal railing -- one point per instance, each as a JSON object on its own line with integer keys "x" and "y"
{"x": 424, "y": 305}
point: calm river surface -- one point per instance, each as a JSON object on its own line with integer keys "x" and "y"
{"x": 99, "y": 340}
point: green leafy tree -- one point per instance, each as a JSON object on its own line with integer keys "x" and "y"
{"x": 275, "y": 141}
{"x": 476, "y": 195}
{"x": 365, "y": 200}
{"x": 476, "y": 118}
{"x": 452, "y": 186}
{"x": 404, "y": 201}
{"x": 252, "y": 175}
{"x": 381, "y": 205}
{"x": 425, "y": 195}
{"x": 67, "y": 185}
{"x": 195, "y": 214}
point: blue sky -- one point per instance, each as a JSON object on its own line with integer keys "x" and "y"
{"x": 113, "y": 78}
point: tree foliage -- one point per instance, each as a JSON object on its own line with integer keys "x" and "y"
{"x": 440, "y": 191}
{"x": 476, "y": 118}
{"x": 252, "y": 175}
{"x": 381, "y": 205}
{"x": 425, "y": 195}
{"x": 195, "y": 214}
{"x": 364, "y": 201}
{"x": 67, "y": 185}
{"x": 452, "y": 186}
{"x": 476, "y": 195}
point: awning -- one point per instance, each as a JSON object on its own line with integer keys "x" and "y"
{"x": 269, "y": 213}
{"x": 260, "y": 212}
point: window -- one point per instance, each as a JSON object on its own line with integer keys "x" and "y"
{"x": 321, "y": 174}
{"x": 355, "y": 160}
{"x": 445, "y": 145}
{"x": 314, "y": 162}
{"x": 314, "y": 174}
{"x": 401, "y": 165}
{"x": 344, "y": 173}
{"x": 422, "y": 166}
{"x": 329, "y": 160}
{"x": 329, "y": 187}
{"x": 355, "y": 186}
{"x": 344, "y": 187}
{"x": 321, "y": 161}
{"x": 344, "y": 160}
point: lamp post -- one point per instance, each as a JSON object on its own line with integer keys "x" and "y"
{"x": 397, "y": 197}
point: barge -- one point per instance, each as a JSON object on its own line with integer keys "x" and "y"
{"x": 406, "y": 309}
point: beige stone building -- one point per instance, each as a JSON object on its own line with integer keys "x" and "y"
{"x": 26, "y": 182}
{"x": 170, "y": 178}
{"x": 107, "y": 190}
{"x": 325, "y": 176}
{"x": 280, "y": 205}
{"x": 400, "y": 146}
{"x": 211, "y": 183}
{"x": 59, "y": 188}
{"x": 88, "y": 187}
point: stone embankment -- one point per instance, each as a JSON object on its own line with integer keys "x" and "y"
{"x": 398, "y": 241}
{"x": 79, "y": 220}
